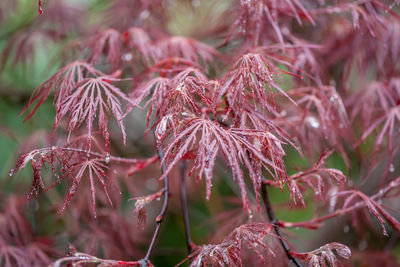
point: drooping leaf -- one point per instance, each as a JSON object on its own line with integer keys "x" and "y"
{"x": 228, "y": 252}
{"x": 251, "y": 148}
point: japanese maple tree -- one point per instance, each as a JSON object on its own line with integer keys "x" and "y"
{"x": 257, "y": 96}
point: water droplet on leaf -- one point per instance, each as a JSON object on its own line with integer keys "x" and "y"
{"x": 391, "y": 168}
{"x": 313, "y": 122}
{"x": 40, "y": 7}
{"x": 145, "y": 14}
{"x": 127, "y": 57}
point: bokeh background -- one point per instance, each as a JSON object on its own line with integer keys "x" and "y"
{"x": 32, "y": 48}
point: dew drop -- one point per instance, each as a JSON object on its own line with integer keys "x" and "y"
{"x": 250, "y": 215}
{"x": 346, "y": 228}
{"x": 333, "y": 199}
{"x": 127, "y": 57}
{"x": 145, "y": 14}
{"x": 313, "y": 122}
{"x": 393, "y": 184}
{"x": 11, "y": 172}
{"x": 107, "y": 159}
{"x": 40, "y": 7}
{"x": 391, "y": 168}
{"x": 285, "y": 30}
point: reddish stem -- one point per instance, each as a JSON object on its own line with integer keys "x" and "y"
{"x": 144, "y": 262}
{"x": 110, "y": 158}
{"x": 275, "y": 223}
{"x": 189, "y": 243}
{"x": 315, "y": 223}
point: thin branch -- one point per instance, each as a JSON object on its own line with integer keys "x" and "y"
{"x": 316, "y": 222}
{"x": 110, "y": 158}
{"x": 189, "y": 242}
{"x": 144, "y": 262}
{"x": 274, "y": 221}
{"x": 107, "y": 156}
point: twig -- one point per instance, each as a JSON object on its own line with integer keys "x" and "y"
{"x": 274, "y": 221}
{"x": 316, "y": 222}
{"x": 144, "y": 262}
{"x": 107, "y": 157}
{"x": 185, "y": 212}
